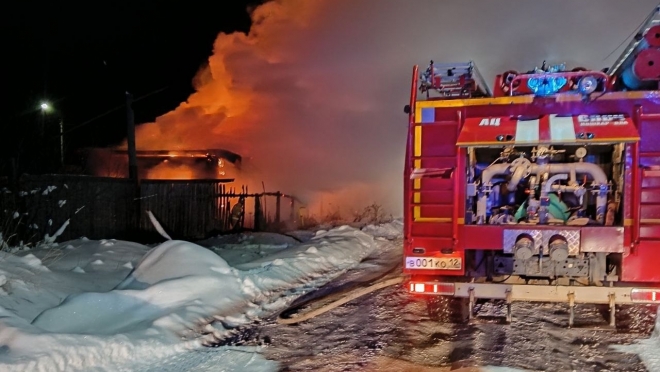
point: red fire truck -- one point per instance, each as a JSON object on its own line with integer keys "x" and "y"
{"x": 544, "y": 189}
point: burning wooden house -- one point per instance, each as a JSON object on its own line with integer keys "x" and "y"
{"x": 167, "y": 164}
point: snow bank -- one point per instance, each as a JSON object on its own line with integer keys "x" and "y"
{"x": 43, "y": 278}
{"x": 177, "y": 297}
{"x": 258, "y": 238}
{"x": 245, "y": 247}
{"x": 389, "y": 230}
{"x": 648, "y": 350}
{"x": 83, "y": 253}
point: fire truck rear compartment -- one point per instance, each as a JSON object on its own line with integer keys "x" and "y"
{"x": 541, "y": 198}
{"x": 546, "y": 185}
{"x": 544, "y": 188}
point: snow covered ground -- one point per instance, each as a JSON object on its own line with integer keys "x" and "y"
{"x": 119, "y": 306}
{"x": 179, "y": 297}
{"x": 647, "y": 349}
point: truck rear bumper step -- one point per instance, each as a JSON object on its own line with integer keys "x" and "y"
{"x": 510, "y": 293}
{"x": 540, "y": 293}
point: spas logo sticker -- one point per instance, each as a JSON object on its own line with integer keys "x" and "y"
{"x": 601, "y": 120}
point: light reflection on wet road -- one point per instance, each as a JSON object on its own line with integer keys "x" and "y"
{"x": 391, "y": 330}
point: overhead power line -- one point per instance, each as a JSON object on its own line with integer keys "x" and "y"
{"x": 114, "y": 109}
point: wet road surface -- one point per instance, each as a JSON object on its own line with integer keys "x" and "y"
{"x": 391, "y": 330}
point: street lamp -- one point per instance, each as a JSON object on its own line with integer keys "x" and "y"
{"x": 46, "y": 108}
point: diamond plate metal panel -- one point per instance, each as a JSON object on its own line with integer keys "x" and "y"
{"x": 541, "y": 238}
{"x": 510, "y": 236}
{"x": 602, "y": 239}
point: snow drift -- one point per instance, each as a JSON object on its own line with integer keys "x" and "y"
{"x": 388, "y": 230}
{"x": 178, "y": 297}
{"x": 646, "y": 349}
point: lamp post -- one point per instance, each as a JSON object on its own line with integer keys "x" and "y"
{"x": 47, "y": 108}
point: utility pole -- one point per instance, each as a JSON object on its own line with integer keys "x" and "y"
{"x": 45, "y": 145}
{"x": 130, "y": 121}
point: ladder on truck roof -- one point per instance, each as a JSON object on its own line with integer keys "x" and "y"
{"x": 453, "y": 80}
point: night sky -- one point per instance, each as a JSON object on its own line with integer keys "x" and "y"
{"x": 82, "y": 57}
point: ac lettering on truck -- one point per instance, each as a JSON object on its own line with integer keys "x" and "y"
{"x": 493, "y": 122}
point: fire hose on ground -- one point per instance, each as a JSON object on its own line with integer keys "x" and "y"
{"x": 344, "y": 298}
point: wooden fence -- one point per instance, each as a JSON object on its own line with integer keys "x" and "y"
{"x": 105, "y": 208}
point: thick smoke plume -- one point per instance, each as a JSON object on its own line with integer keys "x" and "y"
{"x": 312, "y": 97}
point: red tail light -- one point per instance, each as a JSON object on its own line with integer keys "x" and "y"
{"x": 645, "y": 295}
{"x": 432, "y": 288}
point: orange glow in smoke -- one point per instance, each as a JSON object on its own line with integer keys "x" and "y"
{"x": 230, "y": 102}
{"x": 312, "y": 97}
{"x": 279, "y": 98}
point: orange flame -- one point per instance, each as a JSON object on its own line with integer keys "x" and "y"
{"x": 275, "y": 97}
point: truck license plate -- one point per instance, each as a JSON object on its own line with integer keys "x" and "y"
{"x": 434, "y": 263}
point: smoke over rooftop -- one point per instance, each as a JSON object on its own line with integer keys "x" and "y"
{"x": 312, "y": 97}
